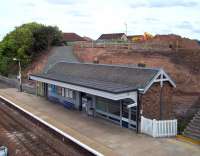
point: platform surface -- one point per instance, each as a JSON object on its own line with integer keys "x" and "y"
{"x": 103, "y": 136}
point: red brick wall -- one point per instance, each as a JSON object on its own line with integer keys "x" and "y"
{"x": 150, "y": 102}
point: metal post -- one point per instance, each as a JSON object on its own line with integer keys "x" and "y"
{"x": 121, "y": 113}
{"x": 129, "y": 117}
{"x": 107, "y": 110}
{"x": 94, "y": 104}
{"x": 138, "y": 112}
{"x": 20, "y": 76}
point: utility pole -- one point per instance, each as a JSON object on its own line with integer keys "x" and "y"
{"x": 125, "y": 28}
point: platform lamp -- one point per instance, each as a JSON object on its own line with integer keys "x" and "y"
{"x": 19, "y": 77}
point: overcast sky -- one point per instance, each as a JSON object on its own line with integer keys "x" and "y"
{"x": 94, "y": 17}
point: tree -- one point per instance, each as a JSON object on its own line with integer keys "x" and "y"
{"x": 46, "y": 37}
{"x": 25, "y": 42}
{"x": 4, "y": 61}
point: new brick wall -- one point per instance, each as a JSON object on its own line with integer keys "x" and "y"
{"x": 150, "y": 102}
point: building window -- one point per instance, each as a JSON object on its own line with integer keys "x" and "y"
{"x": 68, "y": 93}
{"x": 53, "y": 88}
{"x": 63, "y": 92}
{"x": 59, "y": 90}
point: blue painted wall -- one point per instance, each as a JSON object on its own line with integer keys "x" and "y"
{"x": 53, "y": 96}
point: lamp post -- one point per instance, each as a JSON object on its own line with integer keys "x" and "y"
{"x": 20, "y": 75}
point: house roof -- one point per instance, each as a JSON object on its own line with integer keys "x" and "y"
{"x": 111, "y": 36}
{"x": 109, "y": 78}
{"x": 88, "y": 38}
{"x": 71, "y": 37}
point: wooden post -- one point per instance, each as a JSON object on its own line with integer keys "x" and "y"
{"x": 161, "y": 104}
{"x": 154, "y": 132}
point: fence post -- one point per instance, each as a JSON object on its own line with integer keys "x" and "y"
{"x": 142, "y": 124}
{"x": 154, "y": 126}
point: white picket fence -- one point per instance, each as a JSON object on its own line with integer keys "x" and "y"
{"x": 159, "y": 128}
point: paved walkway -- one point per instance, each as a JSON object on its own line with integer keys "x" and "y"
{"x": 60, "y": 53}
{"x": 99, "y": 134}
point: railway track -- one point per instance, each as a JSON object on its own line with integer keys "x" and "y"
{"x": 19, "y": 135}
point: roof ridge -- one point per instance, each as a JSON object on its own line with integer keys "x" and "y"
{"x": 110, "y": 65}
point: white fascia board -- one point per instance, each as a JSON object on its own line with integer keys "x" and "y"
{"x": 167, "y": 78}
{"x": 151, "y": 82}
{"x": 131, "y": 95}
{"x": 132, "y": 105}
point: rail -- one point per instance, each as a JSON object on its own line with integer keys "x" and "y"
{"x": 86, "y": 147}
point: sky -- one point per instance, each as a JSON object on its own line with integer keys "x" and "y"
{"x": 94, "y": 17}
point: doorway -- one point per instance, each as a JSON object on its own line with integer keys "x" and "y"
{"x": 128, "y": 114}
{"x": 87, "y": 104}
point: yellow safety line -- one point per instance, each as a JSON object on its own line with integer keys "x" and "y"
{"x": 183, "y": 138}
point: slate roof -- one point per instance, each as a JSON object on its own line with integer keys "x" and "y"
{"x": 72, "y": 37}
{"x": 109, "y": 78}
{"x": 111, "y": 36}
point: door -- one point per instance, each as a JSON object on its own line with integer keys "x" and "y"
{"x": 87, "y": 105}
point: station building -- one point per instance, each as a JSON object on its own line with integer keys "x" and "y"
{"x": 118, "y": 93}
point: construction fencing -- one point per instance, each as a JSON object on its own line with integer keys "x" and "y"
{"x": 140, "y": 46}
{"x": 159, "y": 128}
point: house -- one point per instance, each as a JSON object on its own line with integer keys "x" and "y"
{"x": 117, "y": 93}
{"x": 135, "y": 38}
{"x": 113, "y": 37}
{"x": 175, "y": 41}
{"x": 88, "y": 38}
{"x": 70, "y": 38}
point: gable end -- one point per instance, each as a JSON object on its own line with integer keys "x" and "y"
{"x": 161, "y": 77}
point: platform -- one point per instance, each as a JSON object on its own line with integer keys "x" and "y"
{"x": 99, "y": 134}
